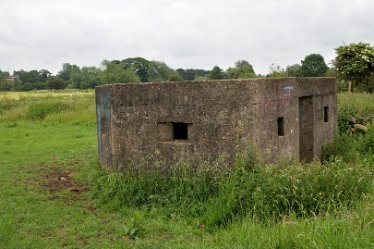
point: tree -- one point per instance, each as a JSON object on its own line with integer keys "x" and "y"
{"x": 294, "y": 70}
{"x": 355, "y": 63}
{"x": 67, "y": 71}
{"x": 216, "y": 73}
{"x": 139, "y": 65}
{"x": 115, "y": 73}
{"x": 276, "y": 72}
{"x": 313, "y": 65}
{"x": 44, "y": 75}
{"x": 191, "y": 74}
{"x": 174, "y": 76}
{"x": 159, "y": 71}
{"x": 55, "y": 83}
{"x": 27, "y": 76}
{"x": 88, "y": 77}
{"x": 241, "y": 70}
{"x": 5, "y": 83}
{"x": 29, "y": 80}
{"x": 3, "y": 75}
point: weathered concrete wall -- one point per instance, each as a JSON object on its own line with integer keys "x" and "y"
{"x": 137, "y": 122}
{"x": 282, "y": 98}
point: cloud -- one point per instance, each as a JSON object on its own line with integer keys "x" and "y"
{"x": 189, "y": 34}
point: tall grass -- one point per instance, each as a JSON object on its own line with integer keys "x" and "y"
{"x": 265, "y": 192}
{"x": 271, "y": 192}
{"x": 349, "y": 145}
{"x": 40, "y": 111}
{"x": 353, "y": 105}
{"x": 48, "y": 106}
{"x": 179, "y": 189}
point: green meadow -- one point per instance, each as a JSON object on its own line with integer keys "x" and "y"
{"x": 54, "y": 194}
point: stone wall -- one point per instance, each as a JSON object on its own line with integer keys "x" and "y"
{"x": 164, "y": 123}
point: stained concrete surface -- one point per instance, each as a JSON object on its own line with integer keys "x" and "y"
{"x": 165, "y": 123}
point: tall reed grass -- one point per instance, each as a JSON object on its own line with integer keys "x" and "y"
{"x": 249, "y": 188}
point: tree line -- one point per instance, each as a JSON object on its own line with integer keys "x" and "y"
{"x": 353, "y": 66}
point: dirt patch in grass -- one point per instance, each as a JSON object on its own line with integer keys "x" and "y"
{"x": 58, "y": 180}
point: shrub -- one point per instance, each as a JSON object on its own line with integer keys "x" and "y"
{"x": 55, "y": 83}
{"x": 39, "y": 111}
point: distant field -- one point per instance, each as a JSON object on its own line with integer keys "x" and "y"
{"x": 53, "y": 193}
{"x": 44, "y": 93}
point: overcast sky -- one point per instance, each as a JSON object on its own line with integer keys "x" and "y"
{"x": 189, "y": 34}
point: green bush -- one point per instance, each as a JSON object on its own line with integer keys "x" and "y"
{"x": 39, "y": 111}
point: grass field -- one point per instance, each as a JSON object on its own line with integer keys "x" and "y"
{"x": 53, "y": 193}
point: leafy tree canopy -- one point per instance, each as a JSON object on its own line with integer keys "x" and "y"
{"x": 22, "y": 80}
{"x": 33, "y": 76}
{"x": 277, "y": 72}
{"x": 294, "y": 70}
{"x": 115, "y": 73}
{"x": 159, "y": 71}
{"x": 89, "y": 77}
{"x": 55, "y": 83}
{"x": 313, "y": 66}
{"x": 355, "y": 62}
{"x": 191, "y": 74}
{"x": 67, "y": 71}
{"x": 5, "y": 84}
{"x": 44, "y": 75}
{"x": 139, "y": 65}
{"x": 241, "y": 70}
{"x": 216, "y": 73}
{"x": 3, "y": 76}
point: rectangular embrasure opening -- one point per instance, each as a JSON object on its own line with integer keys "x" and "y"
{"x": 326, "y": 114}
{"x": 280, "y": 122}
{"x": 180, "y": 131}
